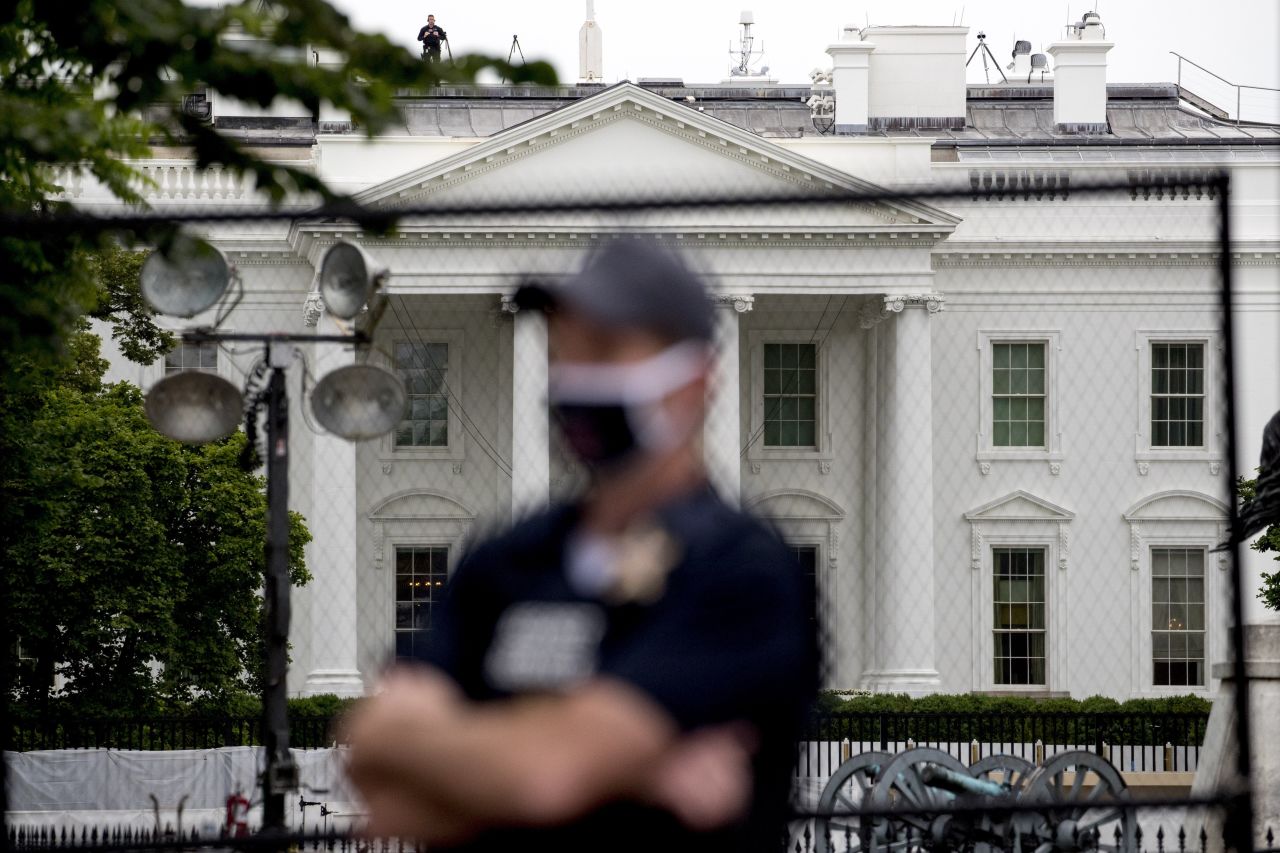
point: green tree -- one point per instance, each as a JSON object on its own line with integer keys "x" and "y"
{"x": 1267, "y": 542}
{"x": 136, "y": 576}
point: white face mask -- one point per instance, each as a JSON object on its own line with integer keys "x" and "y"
{"x": 607, "y": 411}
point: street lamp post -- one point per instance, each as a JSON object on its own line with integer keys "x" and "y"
{"x": 356, "y": 402}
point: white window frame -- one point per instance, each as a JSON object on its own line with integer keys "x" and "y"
{"x": 394, "y": 544}
{"x": 1148, "y": 529}
{"x": 455, "y": 450}
{"x": 987, "y": 452}
{"x": 992, "y": 526}
{"x": 217, "y": 359}
{"x": 413, "y": 518}
{"x": 757, "y": 451}
{"x": 1212, "y": 450}
{"x": 228, "y": 365}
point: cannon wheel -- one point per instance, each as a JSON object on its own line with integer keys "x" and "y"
{"x": 900, "y": 785}
{"x": 848, "y": 790}
{"x": 1012, "y": 770}
{"x": 1075, "y": 815}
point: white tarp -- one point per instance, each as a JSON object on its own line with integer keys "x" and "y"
{"x": 114, "y": 787}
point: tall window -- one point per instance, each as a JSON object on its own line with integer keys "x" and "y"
{"x": 421, "y": 573}
{"x": 1177, "y": 395}
{"x": 790, "y": 395}
{"x": 1018, "y": 394}
{"x": 1019, "y": 615}
{"x": 422, "y": 367}
{"x": 807, "y": 557}
{"x": 1177, "y": 616}
{"x": 184, "y": 356}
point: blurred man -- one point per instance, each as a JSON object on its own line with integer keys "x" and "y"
{"x": 432, "y": 37}
{"x": 627, "y": 672}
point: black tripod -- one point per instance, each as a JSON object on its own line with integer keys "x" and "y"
{"x": 986, "y": 52}
{"x": 515, "y": 48}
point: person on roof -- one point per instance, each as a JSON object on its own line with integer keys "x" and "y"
{"x": 432, "y": 37}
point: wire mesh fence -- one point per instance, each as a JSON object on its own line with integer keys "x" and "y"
{"x": 991, "y": 418}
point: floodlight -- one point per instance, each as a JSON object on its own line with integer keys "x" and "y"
{"x": 194, "y": 407}
{"x": 359, "y": 401}
{"x": 187, "y": 279}
{"x": 348, "y": 277}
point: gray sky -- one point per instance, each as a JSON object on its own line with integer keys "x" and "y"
{"x": 1236, "y": 39}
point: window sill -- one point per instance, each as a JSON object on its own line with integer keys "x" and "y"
{"x": 1190, "y": 454}
{"x": 453, "y": 453}
{"x": 811, "y": 454}
{"x": 1018, "y": 454}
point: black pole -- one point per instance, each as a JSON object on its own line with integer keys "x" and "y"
{"x": 1239, "y": 816}
{"x": 280, "y": 776}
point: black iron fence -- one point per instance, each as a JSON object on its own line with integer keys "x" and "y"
{"x": 1152, "y": 742}
{"x": 26, "y": 735}
{"x": 1137, "y": 739}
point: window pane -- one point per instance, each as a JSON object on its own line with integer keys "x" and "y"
{"x": 1020, "y": 615}
{"x": 790, "y": 395}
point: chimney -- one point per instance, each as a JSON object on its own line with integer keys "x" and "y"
{"x": 850, "y": 78}
{"x": 917, "y": 78}
{"x": 1080, "y": 77}
{"x": 590, "y": 52}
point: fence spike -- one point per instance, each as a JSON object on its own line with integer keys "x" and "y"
{"x": 1204, "y": 840}
{"x": 1182, "y": 839}
{"x": 1160, "y": 839}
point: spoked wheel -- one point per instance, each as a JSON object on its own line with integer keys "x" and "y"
{"x": 900, "y": 785}
{"x": 848, "y": 791}
{"x": 1012, "y": 771}
{"x": 1081, "y": 792}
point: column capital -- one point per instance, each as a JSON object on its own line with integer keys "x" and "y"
{"x": 741, "y": 303}
{"x": 312, "y": 309}
{"x": 509, "y": 305}
{"x": 898, "y": 302}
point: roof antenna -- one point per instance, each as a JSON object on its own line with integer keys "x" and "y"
{"x": 962, "y": 16}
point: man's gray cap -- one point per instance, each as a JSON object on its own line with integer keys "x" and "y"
{"x": 631, "y": 284}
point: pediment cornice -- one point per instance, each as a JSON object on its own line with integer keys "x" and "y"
{"x": 629, "y": 102}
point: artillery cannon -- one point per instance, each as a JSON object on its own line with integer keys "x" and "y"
{"x": 1078, "y": 798}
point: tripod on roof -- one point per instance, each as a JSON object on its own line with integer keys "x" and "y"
{"x": 515, "y": 48}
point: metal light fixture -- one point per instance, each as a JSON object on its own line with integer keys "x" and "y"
{"x": 359, "y": 402}
{"x": 186, "y": 280}
{"x": 194, "y": 407}
{"x": 348, "y": 278}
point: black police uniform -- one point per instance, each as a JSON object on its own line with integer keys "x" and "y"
{"x": 431, "y": 36}
{"x": 729, "y": 639}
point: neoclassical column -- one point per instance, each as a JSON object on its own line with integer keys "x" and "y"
{"x": 332, "y": 555}
{"x": 904, "y": 658}
{"x": 723, "y": 432}
{"x": 530, "y": 430}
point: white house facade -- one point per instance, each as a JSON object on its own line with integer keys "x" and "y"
{"x": 990, "y": 426}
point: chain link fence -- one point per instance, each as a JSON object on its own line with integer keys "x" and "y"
{"x": 991, "y": 418}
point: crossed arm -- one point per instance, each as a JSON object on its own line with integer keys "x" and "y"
{"x": 432, "y": 765}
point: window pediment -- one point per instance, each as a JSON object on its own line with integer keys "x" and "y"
{"x": 1177, "y": 505}
{"x": 421, "y": 504}
{"x": 1019, "y": 506}
{"x": 795, "y": 504}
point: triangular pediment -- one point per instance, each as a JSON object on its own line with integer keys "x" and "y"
{"x": 1019, "y": 506}
{"x": 627, "y": 143}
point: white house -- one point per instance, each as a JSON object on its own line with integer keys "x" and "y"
{"x": 991, "y": 426}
